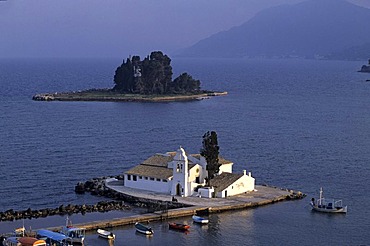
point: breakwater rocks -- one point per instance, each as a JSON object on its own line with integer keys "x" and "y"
{"x": 295, "y": 195}
{"x": 103, "y": 206}
{"x": 97, "y": 187}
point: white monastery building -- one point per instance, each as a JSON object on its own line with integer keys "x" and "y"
{"x": 180, "y": 174}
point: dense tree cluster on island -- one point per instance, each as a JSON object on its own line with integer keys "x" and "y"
{"x": 153, "y": 75}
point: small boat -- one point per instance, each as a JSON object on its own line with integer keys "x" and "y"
{"x": 11, "y": 241}
{"x": 52, "y": 237}
{"x": 19, "y": 232}
{"x": 31, "y": 241}
{"x": 76, "y": 233}
{"x": 326, "y": 205}
{"x": 178, "y": 226}
{"x": 106, "y": 234}
{"x": 199, "y": 220}
{"x": 143, "y": 229}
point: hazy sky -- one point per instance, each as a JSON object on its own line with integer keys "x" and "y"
{"x": 117, "y": 28}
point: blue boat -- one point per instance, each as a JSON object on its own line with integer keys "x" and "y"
{"x": 143, "y": 229}
{"x": 54, "y": 238}
{"x": 199, "y": 220}
{"x": 11, "y": 241}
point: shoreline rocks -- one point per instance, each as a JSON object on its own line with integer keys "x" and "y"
{"x": 103, "y": 206}
{"x": 105, "y": 95}
{"x": 96, "y": 186}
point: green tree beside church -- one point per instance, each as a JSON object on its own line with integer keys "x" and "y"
{"x": 210, "y": 152}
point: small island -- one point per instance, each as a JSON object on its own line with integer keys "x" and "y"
{"x": 365, "y": 68}
{"x": 135, "y": 80}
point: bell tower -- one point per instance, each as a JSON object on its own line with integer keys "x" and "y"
{"x": 180, "y": 174}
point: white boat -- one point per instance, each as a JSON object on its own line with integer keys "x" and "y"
{"x": 106, "y": 234}
{"x": 76, "y": 233}
{"x": 199, "y": 220}
{"x": 326, "y": 205}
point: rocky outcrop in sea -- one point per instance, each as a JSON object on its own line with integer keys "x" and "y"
{"x": 365, "y": 68}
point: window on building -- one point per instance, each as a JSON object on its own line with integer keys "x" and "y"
{"x": 158, "y": 179}
{"x": 140, "y": 177}
{"x": 146, "y": 178}
{"x": 164, "y": 180}
{"x": 128, "y": 177}
{"x": 151, "y": 178}
{"x": 134, "y": 177}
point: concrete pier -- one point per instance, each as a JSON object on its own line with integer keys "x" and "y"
{"x": 263, "y": 195}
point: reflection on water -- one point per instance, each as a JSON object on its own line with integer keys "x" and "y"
{"x": 221, "y": 230}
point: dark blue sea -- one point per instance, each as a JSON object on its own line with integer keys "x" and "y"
{"x": 297, "y": 124}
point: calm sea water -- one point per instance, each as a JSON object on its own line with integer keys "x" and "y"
{"x": 296, "y": 124}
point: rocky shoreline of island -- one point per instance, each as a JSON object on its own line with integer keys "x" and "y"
{"x": 107, "y": 95}
{"x": 141, "y": 80}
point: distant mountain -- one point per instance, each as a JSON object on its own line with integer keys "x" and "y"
{"x": 315, "y": 28}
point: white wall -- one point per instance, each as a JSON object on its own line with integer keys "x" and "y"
{"x": 227, "y": 168}
{"x": 193, "y": 174}
{"x": 147, "y": 184}
{"x": 244, "y": 184}
{"x": 206, "y": 192}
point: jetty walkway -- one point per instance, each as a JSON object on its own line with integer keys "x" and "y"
{"x": 263, "y": 195}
